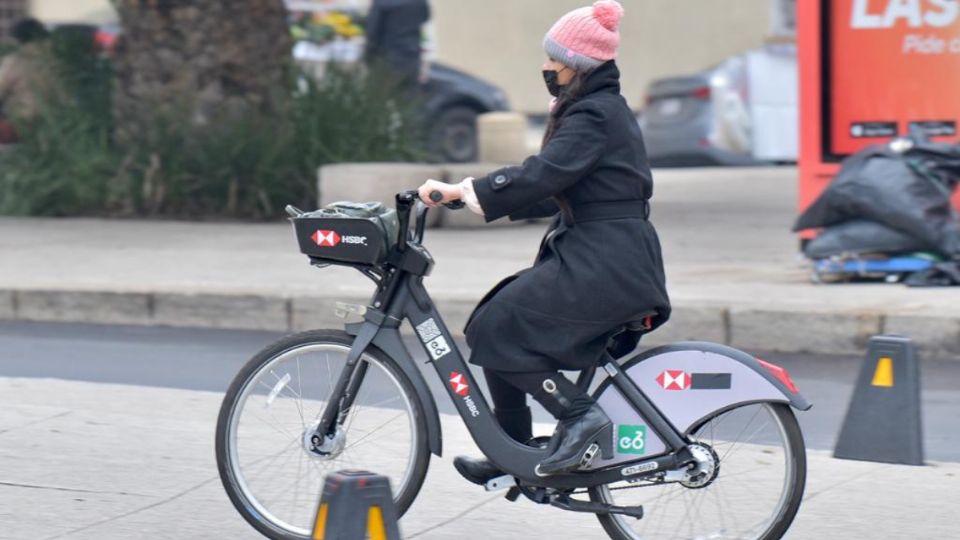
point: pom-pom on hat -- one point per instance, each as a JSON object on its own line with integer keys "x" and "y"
{"x": 587, "y": 37}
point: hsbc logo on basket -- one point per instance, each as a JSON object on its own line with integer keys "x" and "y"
{"x": 675, "y": 379}
{"x": 332, "y": 239}
{"x": 460, "y": 387}
{"x": 326, "y": 238}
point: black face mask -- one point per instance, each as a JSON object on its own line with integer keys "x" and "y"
{"x": 550, "y": 78}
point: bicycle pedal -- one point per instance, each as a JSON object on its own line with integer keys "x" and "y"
{"x": 501, "y": 482}
{"x": 588, "y": 455}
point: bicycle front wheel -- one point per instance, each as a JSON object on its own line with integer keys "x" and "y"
{"x": 266, "y": 461}
{"x": 753, "y": 493}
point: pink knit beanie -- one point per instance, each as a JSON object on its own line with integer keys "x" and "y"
{"x": 587, "y": 37}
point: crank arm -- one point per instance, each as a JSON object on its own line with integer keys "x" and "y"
{"x": 566, "y": 503}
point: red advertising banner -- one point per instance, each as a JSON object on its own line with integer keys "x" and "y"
{"x": 891, "y": 64}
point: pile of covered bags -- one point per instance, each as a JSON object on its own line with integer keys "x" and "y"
{"x": 888, "y": 215}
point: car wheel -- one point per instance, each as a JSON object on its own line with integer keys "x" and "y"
{"x": 453, "y": 135}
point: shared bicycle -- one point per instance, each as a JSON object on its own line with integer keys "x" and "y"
{"x": 706, "y": 442}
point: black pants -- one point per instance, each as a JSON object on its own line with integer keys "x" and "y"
{"x": 563, "y": 399}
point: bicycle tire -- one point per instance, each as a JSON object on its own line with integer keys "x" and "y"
{"x": 614, "y": 525}
{"x": 421, "y": 454}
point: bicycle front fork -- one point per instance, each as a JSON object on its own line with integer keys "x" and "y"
{"x": 345, "y": 391}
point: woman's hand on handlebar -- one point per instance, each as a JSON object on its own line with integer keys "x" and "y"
{"x": 450, "y": 193}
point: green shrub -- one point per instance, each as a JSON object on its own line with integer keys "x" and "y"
{"x": 247, "y": 166}
{"x": 63, "y": 164}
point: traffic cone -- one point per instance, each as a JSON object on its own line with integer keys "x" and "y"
{"x": 356, "y": 505}
{"x": 883, "y": 422}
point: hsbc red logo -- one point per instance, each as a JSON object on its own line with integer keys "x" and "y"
{"x": 333, "y": 238}
{"x": 459, "y": 384}
{"x": 673, "y": 380}
{"x": 326, "y": 238}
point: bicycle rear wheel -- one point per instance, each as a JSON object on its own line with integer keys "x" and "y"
{"x": 263, "y": 451}
{"x": 754, "y": 494}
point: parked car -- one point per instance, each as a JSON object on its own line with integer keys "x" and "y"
{"x": 453, "y": 100}
{"x": 740, "y": 112}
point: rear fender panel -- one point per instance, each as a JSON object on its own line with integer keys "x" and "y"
{"x": 687, "y": 382}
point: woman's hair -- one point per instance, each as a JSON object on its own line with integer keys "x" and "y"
{"x": 570, "y": 93}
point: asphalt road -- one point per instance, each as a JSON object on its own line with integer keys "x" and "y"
{"x": 207, "y": 360}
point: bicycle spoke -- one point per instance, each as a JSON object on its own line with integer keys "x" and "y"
{"x": 275, "y": 427}
{"x": 270, "y": 462}
{"x": 300, "y": 392}
{"x": 374, "y": 430}
{"x": 272, "y": 412}
{"x": 737, "y": 438}
{"x": 732, "y": 450}
{"x": 742, "y": 501}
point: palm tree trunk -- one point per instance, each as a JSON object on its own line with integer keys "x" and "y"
{"x": 206, "y": 58}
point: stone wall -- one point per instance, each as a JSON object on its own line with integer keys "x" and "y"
{"x": 363, "y": 182}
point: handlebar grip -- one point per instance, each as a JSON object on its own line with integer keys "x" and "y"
{"x": 436, "y": 196}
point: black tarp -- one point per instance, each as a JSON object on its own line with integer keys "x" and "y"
{"x": 860, "y": 236}
{"x": 905, "y": 186}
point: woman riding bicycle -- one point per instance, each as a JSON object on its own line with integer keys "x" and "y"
{"x": 599, "y": 268}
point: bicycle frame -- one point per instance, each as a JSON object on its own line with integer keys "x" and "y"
{"x": 401, "y": 295}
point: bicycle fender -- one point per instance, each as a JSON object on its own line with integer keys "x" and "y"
{"x": 687, "y": 382}
{"x": 388, "y": 340}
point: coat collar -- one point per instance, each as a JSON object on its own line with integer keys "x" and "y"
{"x": 604, "y": 79}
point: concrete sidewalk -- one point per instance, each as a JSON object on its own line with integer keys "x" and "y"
{"x": 732, "y": 266}
{"x": 91, "y": 461}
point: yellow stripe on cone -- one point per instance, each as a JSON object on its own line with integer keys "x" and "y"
{"x": 376, "y": 529}
{"x": 319, "y": 530}
{"x": 883, "y": 376}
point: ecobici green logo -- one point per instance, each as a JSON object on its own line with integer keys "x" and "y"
{"x": 631, "y": 439}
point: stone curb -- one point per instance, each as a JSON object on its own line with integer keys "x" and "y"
{"x": 818, "y": 332}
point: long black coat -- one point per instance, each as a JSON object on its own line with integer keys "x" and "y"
{"x": 589, "y": 278}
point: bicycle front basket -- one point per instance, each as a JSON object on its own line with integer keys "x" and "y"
{"x": 361, "y": 233}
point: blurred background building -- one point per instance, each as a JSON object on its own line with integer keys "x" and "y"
{"x": 660, "y": 38}
{"x": 500, "y": 40}
{"x": 70, "y": 11}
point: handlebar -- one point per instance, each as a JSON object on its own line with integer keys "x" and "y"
{"x": 411, "y": 195}
{"x": 405, "y": 202}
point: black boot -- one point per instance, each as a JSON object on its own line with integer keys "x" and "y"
{"x": 577, "y": 441}
{"x": 584, "y": 429}
{"x": 476, "y": 470}
{"x": 518, "y": 424}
